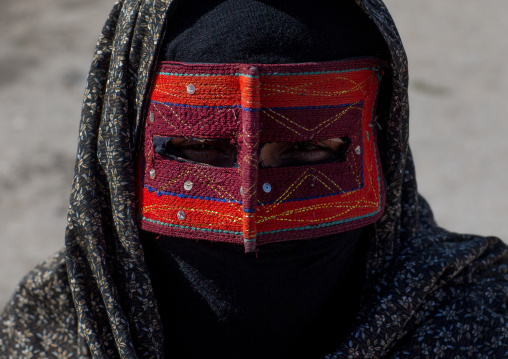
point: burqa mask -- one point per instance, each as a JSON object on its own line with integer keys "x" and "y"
{"x": 196, "y": 108}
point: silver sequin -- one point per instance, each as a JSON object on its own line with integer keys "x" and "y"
{"x": 187, "y": 185}
{"x": 191, "y": 89}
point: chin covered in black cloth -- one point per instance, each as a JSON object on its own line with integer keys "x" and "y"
{"x": 401, "y": 287}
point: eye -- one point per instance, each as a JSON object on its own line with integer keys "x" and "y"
{"x": 213, "y": 152}
{"x": 283, "y": 154}
{"x": 223, "y": 153}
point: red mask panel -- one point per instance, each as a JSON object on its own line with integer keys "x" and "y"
{"x": 254, "y": 154}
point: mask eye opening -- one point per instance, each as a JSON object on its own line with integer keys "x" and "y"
{"x": 303, "y": 153}
{"x": 202, "y": 151}
{"x": 224, "y": 152}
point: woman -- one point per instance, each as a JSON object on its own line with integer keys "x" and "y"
{"x": 388, "y": 284}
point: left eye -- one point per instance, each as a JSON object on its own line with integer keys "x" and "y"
{"x": 213, "y": 152}
{"x": 305, "y": 152}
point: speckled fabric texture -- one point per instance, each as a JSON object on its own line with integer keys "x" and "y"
{"x": 429, "y": 293}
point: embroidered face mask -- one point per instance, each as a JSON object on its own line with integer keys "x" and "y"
{"x": 255, "y": 153}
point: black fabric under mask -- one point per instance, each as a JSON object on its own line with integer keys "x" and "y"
{"x": 274, "y": 303}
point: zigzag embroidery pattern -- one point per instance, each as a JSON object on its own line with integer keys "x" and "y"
{"x": 252, "y": 104}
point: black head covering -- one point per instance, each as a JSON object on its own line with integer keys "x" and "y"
{"x": 239, "y": 31}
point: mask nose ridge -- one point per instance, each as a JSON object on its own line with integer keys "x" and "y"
{"x": 248, "y": 156}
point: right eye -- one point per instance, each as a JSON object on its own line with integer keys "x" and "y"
{"x": 213, "y": 152}
{"x": 303, "y": 153}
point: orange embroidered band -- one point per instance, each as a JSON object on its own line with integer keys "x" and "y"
{"x": 247, "y": 106}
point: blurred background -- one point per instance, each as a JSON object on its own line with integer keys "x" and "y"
{"x": 457, "y": 54}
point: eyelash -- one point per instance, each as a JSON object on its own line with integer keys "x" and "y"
{"x": 200, "y": 146}
{"x": 306, "y": 146}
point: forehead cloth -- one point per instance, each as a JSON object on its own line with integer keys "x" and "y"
{"x": 250, "y": 104}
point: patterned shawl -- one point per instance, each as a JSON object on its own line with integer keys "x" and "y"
{"x": 429, "y": 293}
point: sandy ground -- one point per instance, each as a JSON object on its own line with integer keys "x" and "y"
{"x": 459, "y": 85}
